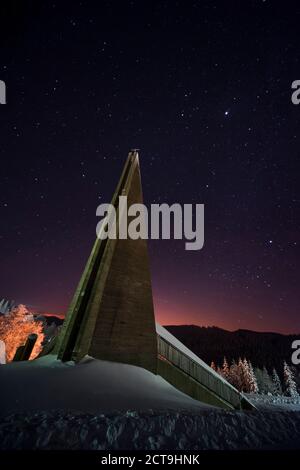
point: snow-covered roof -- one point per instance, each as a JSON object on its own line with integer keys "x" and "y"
{"x": 166, "y": 335}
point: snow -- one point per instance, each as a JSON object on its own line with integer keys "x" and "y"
{"x": 91, "y": 386}
{"x": 274, "y": 402}
{"x": 47, "y": 404}
{"x": 206, "y": 430}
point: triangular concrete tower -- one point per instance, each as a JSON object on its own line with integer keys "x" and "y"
{"x": 111, "y": 316}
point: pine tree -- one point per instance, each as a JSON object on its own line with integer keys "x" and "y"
{"x": 246, "y": 375}
{"x": 242, "y": 370}
{"x": 290, "y": 384}
{"x": 235, "y": 376}
{"x": 267, "y": 382}
{"x": 253, "y": 387}
{"x": 259, "y": 378}
{"x": 276, "y": 383}
{"x": 225, "y": 369}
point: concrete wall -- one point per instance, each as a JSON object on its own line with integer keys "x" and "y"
{"x": 111, "y": 316}
{"x": 194, "y": 380}
{"x": 188, "y": 385}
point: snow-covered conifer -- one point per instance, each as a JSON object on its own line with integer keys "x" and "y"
{"x": 225, "y": 369}
{"x": 267, "y": 386}
{"x": 290, "y": 384}
{"x": 235, "y": 376}
{"x": 253, "y": 387}
{"x": 276, "y": 383}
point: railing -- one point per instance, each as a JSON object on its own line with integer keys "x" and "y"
{"x": 198, "y": 372}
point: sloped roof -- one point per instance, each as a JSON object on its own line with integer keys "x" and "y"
{"x": 167, "y": 336}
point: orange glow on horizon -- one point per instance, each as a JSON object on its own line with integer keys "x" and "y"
{"x": 167, "y": 313}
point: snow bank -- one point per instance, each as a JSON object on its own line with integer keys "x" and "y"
{"x": 274, "y": 402}
{"x": 91, "y": 386}
{"x": 47, "y": 404}
{"x": 209, "y": 430}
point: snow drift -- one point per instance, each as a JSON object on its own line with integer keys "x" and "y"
{"x": 210, "y": 429}
{"x": 47, "y": 404}
{"x": 91, "y": 386}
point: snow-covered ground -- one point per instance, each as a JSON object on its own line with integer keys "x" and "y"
{"x": 132, "y": 430}
{"x": 46, "y": 404}
{"x": 91, "y": 386}
{"x": 273, "y": 402}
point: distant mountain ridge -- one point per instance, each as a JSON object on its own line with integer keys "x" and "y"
{"x": 213, "y": 343}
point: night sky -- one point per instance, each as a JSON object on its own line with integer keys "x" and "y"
{"x": 203, "y": 89}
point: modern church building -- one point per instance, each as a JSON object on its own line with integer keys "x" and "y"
{"x": 111, "y": 316}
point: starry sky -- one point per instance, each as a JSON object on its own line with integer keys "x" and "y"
{"x": 203, "y": 89}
